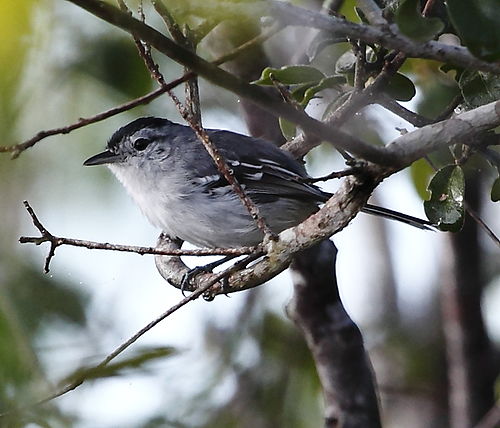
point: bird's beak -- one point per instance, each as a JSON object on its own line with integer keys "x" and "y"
{"x": 103, "y": 158}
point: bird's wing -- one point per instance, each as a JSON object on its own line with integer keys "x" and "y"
{"x": 262, "y": 169}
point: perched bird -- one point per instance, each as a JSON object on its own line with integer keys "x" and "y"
{"x": 170, "y": 175}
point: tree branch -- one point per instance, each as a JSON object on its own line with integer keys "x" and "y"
{"x": 230, "y": 82}
{"x": 334, "y": 340}
{"x": 461, "y": 128}
{"x": 337, "y": 212}
{"x": 387, "y": 35}
{"x": 79, "y": 381}
{"x": 17, "y": 149}
{"x": 56, "y": 241}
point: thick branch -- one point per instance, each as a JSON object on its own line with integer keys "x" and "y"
{"x": 334, "y": 340}
{"x": 336, "y": 214}
{"x": 461, "y": 128}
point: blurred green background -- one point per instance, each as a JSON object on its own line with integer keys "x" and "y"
{"x": 234, "y": 362}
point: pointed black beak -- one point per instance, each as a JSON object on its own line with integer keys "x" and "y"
{"x": 103, "y": 158}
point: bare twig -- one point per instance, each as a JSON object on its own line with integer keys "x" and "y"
{"x": 77, "y": 382}
{"x": 477, "y": 218}
{"x": 335, "y": 174}
{"x": 387, "y": 35}
{"x": 392, "y": 105}
{"x": 184, "y": 38}
{"x": 448, "y": 111}
{"x": 213, "y": 151}
{"x": 17, "y": 149}
{"x": 224, "y": 169}
{"x": 56, "y": 241}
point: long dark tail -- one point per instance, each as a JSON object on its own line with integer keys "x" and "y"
{"x": 394, "y": 215}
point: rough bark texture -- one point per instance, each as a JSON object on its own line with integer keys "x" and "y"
{"x": 334, "y": 339}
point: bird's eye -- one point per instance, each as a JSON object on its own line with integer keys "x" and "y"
{"x": 141, "y": 143}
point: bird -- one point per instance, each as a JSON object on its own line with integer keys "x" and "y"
{"x": 169, "y": 174}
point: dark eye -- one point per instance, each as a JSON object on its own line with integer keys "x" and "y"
{"x": 141, "y": 143}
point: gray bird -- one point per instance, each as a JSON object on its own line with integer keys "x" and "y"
{"x": 170, "y": 175}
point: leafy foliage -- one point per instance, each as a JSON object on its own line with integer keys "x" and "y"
{"x": 476, "y": 22}
{"x": 411, "y": 22}
{"x": 446, "y": 206}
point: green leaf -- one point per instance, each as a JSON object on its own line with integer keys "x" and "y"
{"x": 421, "y": 173}
{"x": 308, "y": 92}
{"x": 141, "y": 357}
{"x": 401, "y": 88}
{"x": 446, "y": 206}
{"x": 288, "y": 129}
{"x": 495, "y": 190}
{"x": 298, "y": 92}
{"x": 479, "y": 88}
{"x": 477, "y": 24}
{"x": 290, "y": 75}
{"x": 412, "y": 24}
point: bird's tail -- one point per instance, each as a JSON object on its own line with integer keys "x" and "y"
{"x": 394, "y": 215}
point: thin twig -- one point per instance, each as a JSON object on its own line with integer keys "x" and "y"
{"x": 392, "y": 105}
{"x": 336, "y": 174}
{"x": 77, "y": 382}
{"x": 448, "y": 111}
{"x": 17, "y": 149}
{"x": 185, "y": 39}
{"x": 224, "y": 169}
{"x": 56, "y": 241}
{"x": 477, "y": 218}
{"x": 212, "y": 150}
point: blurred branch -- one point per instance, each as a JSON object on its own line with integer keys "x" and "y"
{"x": 491, "y": 419}
{"x": 56, "y": 241}
{"x": 186, "y": 39}
{"x": 17, "y": 149}
{"x": 387, "y": 35}
{"x": 334, "y": 340}
{"x": 471, "y": 367}
{"x": 214, "y": 74}
{"x": 89, "y": 373}
{"x": 393, "y": 106}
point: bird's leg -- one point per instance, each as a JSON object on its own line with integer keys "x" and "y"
{"x": 209, "y": 267}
